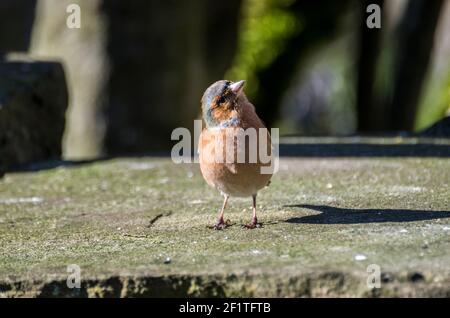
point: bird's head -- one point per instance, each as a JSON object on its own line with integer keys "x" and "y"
{"x": 220, "y": 101}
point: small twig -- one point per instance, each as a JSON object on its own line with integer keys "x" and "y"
{"x": 152, "y": 221}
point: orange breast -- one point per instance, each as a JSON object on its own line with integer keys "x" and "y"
{"x": 228, "y": 162}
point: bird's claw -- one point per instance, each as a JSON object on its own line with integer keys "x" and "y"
{"x": 253, "y": 225}
{"x": 221, "y": 225}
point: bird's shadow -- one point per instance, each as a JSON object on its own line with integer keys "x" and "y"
{"x": 335, "y": 215}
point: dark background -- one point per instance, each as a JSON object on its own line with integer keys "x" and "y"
{"x": 136, "y": 70}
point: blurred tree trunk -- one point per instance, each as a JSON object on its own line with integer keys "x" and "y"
{"x": 370, "y": 113}
{"x": 415, "y": 36}
{"x": 85, "y": 61}
{"x": 319, "y": 19}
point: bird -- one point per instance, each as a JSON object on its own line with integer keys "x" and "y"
{"x": 226, "y": 112}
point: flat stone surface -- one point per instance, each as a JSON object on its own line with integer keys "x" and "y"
{"x": 139, "y": 227}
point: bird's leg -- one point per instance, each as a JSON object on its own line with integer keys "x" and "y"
{"x": 221, "y": 224}
{"x": 254, "y": 223}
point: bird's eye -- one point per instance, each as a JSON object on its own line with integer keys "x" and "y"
{"x": 221, "y": 100}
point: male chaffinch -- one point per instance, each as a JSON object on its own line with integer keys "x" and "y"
{"x": 225, "y": 110}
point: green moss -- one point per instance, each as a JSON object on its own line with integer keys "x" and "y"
{"x": 99, "y": 216}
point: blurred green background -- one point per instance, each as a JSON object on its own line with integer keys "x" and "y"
{"x": 137, "y": 69}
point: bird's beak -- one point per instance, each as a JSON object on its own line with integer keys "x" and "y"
{"x": 237, "y": 87}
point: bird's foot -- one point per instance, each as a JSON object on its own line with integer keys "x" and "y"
{"x": 253, "y": 225}
{"x": 221, "y": 225}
